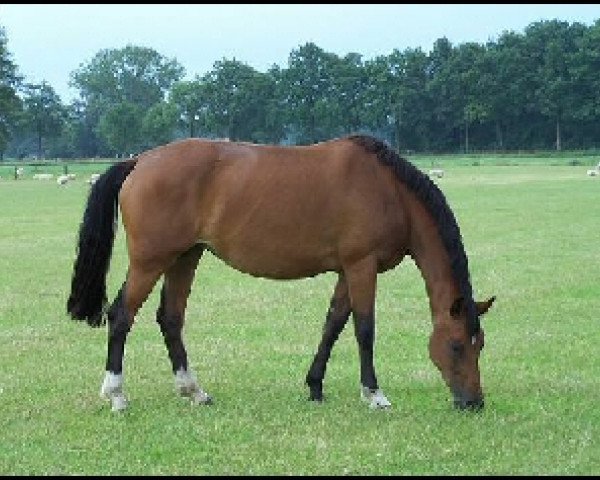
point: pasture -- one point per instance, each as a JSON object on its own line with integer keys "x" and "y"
{"x": 531, "y": 233}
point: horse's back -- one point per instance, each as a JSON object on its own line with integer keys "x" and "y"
{"x": 280, "y": 212}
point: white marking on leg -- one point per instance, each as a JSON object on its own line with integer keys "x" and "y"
{"x": 187, "y": 386}
{"x": 112, "y": 389}
{"x": 375, "y": 398}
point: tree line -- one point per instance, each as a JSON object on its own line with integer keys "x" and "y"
{"x": 539, "y": 89}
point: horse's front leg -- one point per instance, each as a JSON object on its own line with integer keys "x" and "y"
{"x": 170, "y": 317}
{"x": 362, "y": 279}
{"x": 337, "y": 316}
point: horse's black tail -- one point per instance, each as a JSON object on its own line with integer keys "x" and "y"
{"x": 96, "y": 237}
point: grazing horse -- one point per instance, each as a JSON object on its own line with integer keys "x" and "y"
{"x": 350, "y": 205}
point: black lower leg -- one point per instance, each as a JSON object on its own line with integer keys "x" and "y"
{"x": 364, "y": 330}
{"x": 170, "y": 326}
{"x": 118, "y": 328}
{"x": 337, "y": 316}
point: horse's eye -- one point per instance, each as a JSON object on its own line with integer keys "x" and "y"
{"x": 457, "y": 347}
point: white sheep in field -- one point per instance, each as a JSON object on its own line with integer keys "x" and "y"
{"x": 19, "y": 172}
{"x": 93, "y": 178}
{"x": 71, "y": 176}
{"x": 593, "y": 172}
{"x": 43, "y": 176}
{"x": 436, "y": 172}
{"x": 62, "y": 179}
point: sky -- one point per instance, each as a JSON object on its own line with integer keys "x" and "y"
{"x": 49, "y": 41}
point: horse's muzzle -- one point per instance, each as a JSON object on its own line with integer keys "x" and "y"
{"x": 466, "y": 402}
{"x": 474, "y": 405}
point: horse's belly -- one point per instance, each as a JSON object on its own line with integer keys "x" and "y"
{"x": 273, "y": 261}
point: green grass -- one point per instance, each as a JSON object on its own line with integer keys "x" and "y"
{"x": 531, "y": 233}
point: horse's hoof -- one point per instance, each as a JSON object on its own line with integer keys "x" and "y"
{"x": 316, "y": 393}
{"x": 119, "y": 403}
{"x": 375, "y": 398}
{"x": 201, "y": 398}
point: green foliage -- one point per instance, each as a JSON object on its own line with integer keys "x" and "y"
{"x": 189, "y": 99}
{"x": 120, "y": 84}
{"x": 158, "y": 124}
{"x": 121, "y": 127}
{"x": 43, "y": 113}
{"x": 237, "y": 100}
{"x": 305, "y": 88}
{"x": 536, "y": 90}
{"x": 138, "y": 75}
{"x": 10, "y": 103}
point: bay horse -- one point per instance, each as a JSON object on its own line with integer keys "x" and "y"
{"x": 350, "y": 205}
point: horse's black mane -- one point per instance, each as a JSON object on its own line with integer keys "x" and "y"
{"x": 435, "y": 203}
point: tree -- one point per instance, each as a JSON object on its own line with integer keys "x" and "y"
{"x": 237, "y": 101}
{"x": 123, "y": 80}
{"x": 505, "y": 81}
{"x": 121, "y": 128}
{"x": 584, "y": 70}
{"x": 378, "y": 114}
{"x": 408, "y": 96}
{"x": 444, "y": 113}
{"x": 137, "y": 75}
{"x": 305, "y": 89}
{"x": 350, "y": 82}
{"x": 252, "y": 109}
{"x": 10, "y": 103}
{"x": 43, "y": 113}
{"x": 553, "y": 43}
{"x": 189, "y": 100}
{"x": 158, "y": 125}
{"x": 466, "y": 86}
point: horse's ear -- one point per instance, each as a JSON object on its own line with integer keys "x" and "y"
{"x": 483, "y": 307}
{"x": 457, "y": 306}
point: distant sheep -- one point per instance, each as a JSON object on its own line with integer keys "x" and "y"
{"x": 62, "y": 179}
{"x": 93, "y": 178}
{"x": 43, "y": 176}
{"x": 71, "y": 176}
{"x": 593, "y": 172}
{"x": 19, "y": 172}
{"x": 436, "y": 172}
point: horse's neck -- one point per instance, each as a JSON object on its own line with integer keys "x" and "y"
{"x": 430, "y": 256}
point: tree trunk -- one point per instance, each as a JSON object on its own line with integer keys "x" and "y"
{"x": 499, "y": 139}
{"x": 557, "y": 133}
{"x": 466, "y": 137}
{"x": 39, "y": 145}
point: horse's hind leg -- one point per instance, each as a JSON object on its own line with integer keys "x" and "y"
{"x": 337, "y": 316}
{"x": 171, "y": 315}
{"x": 131, "y": 296}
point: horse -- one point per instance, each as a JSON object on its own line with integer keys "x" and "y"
{"x": 350, "y": 205}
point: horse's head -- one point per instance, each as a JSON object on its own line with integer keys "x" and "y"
{"x": 455, "y": 352}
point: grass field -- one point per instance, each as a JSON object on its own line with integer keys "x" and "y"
{"x": 531, "y": 233}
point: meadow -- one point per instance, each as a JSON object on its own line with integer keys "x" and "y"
{"x": 530, "y": 227}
